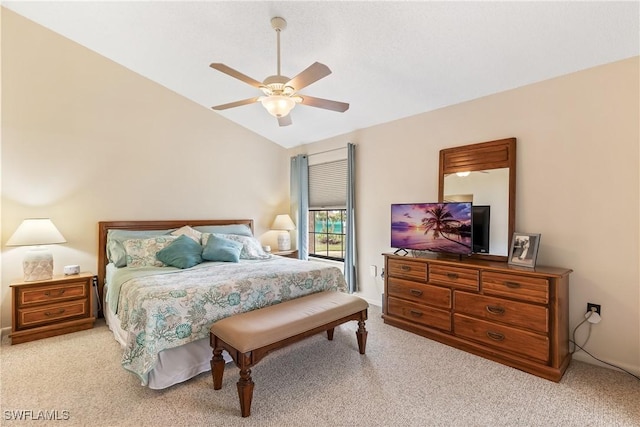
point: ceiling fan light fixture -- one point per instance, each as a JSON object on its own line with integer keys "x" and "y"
{"x": 278, "y": 105}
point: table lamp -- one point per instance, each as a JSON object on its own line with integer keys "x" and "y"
{"x": 38, "y": 260}
{"x": 285, "y": 224}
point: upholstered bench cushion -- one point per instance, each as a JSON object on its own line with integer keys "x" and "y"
{"x": 258, "y": 328}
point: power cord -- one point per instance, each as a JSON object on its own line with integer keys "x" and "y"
{"x": 581, "y": 347}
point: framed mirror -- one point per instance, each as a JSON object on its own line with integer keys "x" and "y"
{"x": 485, "y": 175}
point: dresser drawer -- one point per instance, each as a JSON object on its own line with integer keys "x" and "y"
{"x": 51, "y": 293}
{"x": 420, "y": 293}
{"x": 407, "y": 269}
{"x": 519, "y": 314}
{"x": 525, "y": 288}
{"x": 52, "y": 313}
{"x": 460, "y": 278}
{"x": 420, "y": 314}
{"x": 516, "y": 341}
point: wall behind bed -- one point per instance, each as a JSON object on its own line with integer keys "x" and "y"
{"x": 85, "y": 139}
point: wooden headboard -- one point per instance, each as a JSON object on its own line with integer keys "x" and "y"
{"x": 105, "y": 226}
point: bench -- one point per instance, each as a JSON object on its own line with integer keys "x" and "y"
{"x": 250, "y": 336}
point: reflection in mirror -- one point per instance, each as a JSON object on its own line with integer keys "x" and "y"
{"x": 484, "y": 188}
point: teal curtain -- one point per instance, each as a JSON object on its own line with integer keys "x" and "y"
{"x": 299, "y": 197}
{"x": 350, "y": 264}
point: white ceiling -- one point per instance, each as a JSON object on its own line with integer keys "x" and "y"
{"x": 389, "y": 59}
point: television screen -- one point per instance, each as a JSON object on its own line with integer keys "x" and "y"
{"x": 481, "y": 221}
{"x": 436, "y": 227}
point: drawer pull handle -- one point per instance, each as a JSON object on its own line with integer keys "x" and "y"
{"x": 48, "y": 313}
{"x": 415, "y": 313}
{"x": 416, "y": 292}
{"x": 452, "y": 276}
{"x": 495, "y": 309}
{"x": 512, "y": 285}
{"x": 496, "y": 336}
{"x": 405, "y": 268}
{"x": 60, "y": 293}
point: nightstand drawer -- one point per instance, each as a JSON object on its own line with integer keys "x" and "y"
{"x": 519, "y": 314}
{"x": 52, "y": 293}
{"x": 52, "y": 313}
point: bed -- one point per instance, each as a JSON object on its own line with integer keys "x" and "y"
{"x": 159, "y": 301}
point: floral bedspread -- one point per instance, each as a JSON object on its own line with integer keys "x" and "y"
{"x": 167, "y": 310}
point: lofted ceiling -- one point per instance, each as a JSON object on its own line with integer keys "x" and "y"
{"x": 389, "y": 59}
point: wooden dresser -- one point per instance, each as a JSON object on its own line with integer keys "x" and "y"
{"x": 512, "y": 315}
{"x": 47, "y": 308}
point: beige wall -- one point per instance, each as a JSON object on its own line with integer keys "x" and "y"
{"x": 577, "y": 184}
{"x": 85, "y": 139}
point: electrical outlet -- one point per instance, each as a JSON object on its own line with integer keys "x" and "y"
{"x": 594, "y": 306}
{"x": 373, "y": 270}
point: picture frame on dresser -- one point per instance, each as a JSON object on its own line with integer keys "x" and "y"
{"x": 524, "y": 249}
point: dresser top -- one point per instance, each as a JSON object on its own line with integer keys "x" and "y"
{"x": 452, "y": 260}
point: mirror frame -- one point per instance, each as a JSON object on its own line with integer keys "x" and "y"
{"x": 496, "y": 154}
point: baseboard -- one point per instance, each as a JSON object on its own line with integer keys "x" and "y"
{"x": 4, "y": 332}
{"x": 583, "y": 357}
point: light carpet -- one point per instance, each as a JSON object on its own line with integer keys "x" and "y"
{"x": 403, "y": 380}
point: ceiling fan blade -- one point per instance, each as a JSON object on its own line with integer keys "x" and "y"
{"x": 236, "y": 104}
{"x": 285, "y": 121}
{"x": 311, "y": 74}
{"x": 236, "y": 74}
{"x": 324, "y": 103}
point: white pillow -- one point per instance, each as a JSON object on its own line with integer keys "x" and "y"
{"x": 189, "y": 232}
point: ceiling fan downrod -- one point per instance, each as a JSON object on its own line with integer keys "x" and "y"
{"x": 278, "y": 24}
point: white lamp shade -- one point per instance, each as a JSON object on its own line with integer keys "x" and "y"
{"x": 277, "y": 105}
{"x": 283, "y": 222}
{"x": 34, "y": 232}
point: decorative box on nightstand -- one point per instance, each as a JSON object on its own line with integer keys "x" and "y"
{"x": 52, "y": 307}
{"x": 288, "y": 254}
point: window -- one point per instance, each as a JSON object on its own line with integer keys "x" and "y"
{"x": 327, "y": 209}
{"x": 326, "y": 233}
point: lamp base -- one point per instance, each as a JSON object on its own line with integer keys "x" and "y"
{"x": 38, "y": 265}
{"x": 284, "y": 241}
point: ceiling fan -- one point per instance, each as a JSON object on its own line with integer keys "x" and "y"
{"x": 280, "y": 92}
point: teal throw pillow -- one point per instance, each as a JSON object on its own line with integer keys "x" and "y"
{"x": 221, "y": 249}
{"x": 184, "y": 252}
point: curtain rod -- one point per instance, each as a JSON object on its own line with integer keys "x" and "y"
{"x": 326, "y": 151}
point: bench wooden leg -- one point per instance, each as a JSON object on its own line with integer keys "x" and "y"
{"x": 245, "y": 391}
{"x": 330, "y": 334}
{"x": 361, "y": 334}
{"x": 217, "y": 368}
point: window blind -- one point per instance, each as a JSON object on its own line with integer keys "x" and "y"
{"x": 328, "y": 185}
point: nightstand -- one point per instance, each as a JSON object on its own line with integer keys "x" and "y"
{"x": 288, "y": 254}
{"x": 47, "y": 308}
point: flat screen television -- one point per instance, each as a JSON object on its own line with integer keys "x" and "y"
{"x": 435, "y": 227}
{"x": 481, "y": 228}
